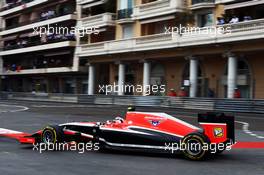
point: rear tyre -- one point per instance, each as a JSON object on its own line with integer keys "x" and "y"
{"x": 193, "y": 146}
{"x": 52, "y": 135}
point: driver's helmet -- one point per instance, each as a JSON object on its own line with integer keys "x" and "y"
{"x": 131, "y": 108}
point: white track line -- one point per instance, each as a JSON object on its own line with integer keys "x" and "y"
{"x": 59, "y": 106}
{"x": 70, "y": 106}
{"x": 22, "y": 108}
{"x": 247, "y": 131}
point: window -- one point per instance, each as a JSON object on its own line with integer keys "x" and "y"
{"x": 126, "y": 4}
{"x": 205, "y": 19}
{"x": 127, "y": 31}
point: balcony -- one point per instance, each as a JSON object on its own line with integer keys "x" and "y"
{"x": 241, "y": 4}
{"x": 54, "y": 15}
{"x": 81, "y": 2}
{"x": 33, "y": 46}
{"x": 126, "y": 45}
{"x": 38, "y": 71}
{"x": 90, "y": 3}
{"x": 158, "y": 8}
{"x": 84, "y": 1}
{"x": 242, "y": 31}
{"x": 102, "y": 20}
{"x": 16, "y": 7}
{"x": 35, "y": 24}
{"x": 201, "y": 4}
{"x": 223, "y": 1}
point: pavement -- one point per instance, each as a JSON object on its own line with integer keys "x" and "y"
{"x": 32, "y": 116}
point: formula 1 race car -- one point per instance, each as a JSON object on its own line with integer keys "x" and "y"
{"x": 141, "y": 131}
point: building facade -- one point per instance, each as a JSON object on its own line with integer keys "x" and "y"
{"x": 36, "y": 62}
{"x": 140, "y": 42}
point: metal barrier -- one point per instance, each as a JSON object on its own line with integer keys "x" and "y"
{"x": 34, "y": 96}
{"x": 208, "y": 104}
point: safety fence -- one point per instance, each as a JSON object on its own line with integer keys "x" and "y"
{"x": 49, "y": 97}
{"x": 208, "y": 104}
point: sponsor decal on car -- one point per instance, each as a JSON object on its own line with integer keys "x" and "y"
{"x": 218, "y": 132}
{"x": 154, "y": 122}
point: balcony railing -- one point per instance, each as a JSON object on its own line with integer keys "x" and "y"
{"x": 37, "y": 46}
{"x": 91, "y": 3}
{"x": 35, "y": 21}
{"x": 26, "y": 43}
{"x": 223, "y": 1}
{"x": 38, "y": 70}
{"x": 194, "y": 2}
{"x": 235, "y": 4}
{"x": 125, "y": 13}
{"x": 16, "y": 7}
{"x": 199, "y": 4}
{"x": 242, "y": 31}
{"x": 99, "y": 20}
{"x": 33, "y": 66}
{"x": 15, "y": 4}
{"x": 39, "y": 24}
{"x": 124, "y": 44}
{"x": 85, "y": 1}
{"x": 159, "y": 8}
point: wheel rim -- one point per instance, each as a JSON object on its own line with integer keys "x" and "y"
{"x": 194, "y": 147}
{"x": 48, "y": 137}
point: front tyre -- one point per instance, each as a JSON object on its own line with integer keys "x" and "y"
{"x": 52, "y": 135}
{"x": 193, "y": 146}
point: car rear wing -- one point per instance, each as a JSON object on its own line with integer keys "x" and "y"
{"x": 216, "y": 118}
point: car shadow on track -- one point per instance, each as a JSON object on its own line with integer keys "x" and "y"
{"x": 231, "y": 157}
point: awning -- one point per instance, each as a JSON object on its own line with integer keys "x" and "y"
{"x": 244, "y": 4}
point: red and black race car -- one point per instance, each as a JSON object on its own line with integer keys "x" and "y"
{"x": 142, "y": 131}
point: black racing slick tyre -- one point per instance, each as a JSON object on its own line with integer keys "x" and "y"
{"x": 193, "y": 146}
{"x": 52, "y": 135}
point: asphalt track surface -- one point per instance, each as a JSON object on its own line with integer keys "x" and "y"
{"x": 31, "y": 116}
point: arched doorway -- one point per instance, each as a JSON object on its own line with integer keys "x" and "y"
{"x": 244, "y": 79}
{"x": 202, "y": 82}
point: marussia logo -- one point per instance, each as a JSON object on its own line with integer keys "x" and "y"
{"x": 155, "y": 122}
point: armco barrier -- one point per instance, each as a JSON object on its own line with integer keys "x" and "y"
{"x": 157, "y": 101}
{"x": 121, "y": 100}
{"x": 208, "y": 104}
{"x": 49, "y": 97}
{"x": 235, "y": 105}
